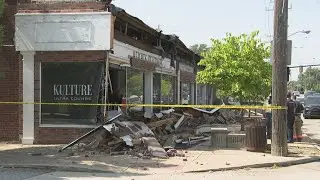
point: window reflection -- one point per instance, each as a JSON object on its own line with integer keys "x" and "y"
{"x": 69, "y": 82}
{"x": 135, "y": 89}
{"x": 167, "y": 89}
{"x": 185, "y": 93}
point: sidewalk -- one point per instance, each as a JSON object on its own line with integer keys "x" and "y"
{"x": 197, "y": 159}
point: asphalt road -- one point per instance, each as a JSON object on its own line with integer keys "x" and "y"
{"x": 311, "y": 127}
{"x": 20, "y": 174}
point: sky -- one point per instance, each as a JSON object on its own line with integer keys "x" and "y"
{"x": 197, "y": 22}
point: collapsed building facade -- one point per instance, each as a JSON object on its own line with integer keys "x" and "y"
{"x": 68, "y": 52}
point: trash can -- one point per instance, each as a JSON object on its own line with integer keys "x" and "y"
{"x": 256, "y": 137}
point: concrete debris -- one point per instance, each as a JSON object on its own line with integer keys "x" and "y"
{"x": 147, "y": 135}
{"x": 154, "y": 147}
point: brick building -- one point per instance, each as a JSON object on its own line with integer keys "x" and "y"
{"x": 58, "y": 52}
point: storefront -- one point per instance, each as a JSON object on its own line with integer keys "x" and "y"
{"x": 187, "y": 84}
{"x": 69, "y": 57}
{"x": 63, "y": 58}
{"x": 150, "y": 78}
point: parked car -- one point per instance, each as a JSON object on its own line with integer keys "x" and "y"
{"x": 311, "y": 107}
{"x": 308, "y": 93}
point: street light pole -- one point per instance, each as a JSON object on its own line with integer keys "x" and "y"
{"x": 303, "y": 31}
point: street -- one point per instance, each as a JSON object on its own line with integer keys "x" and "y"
{"x": 311, "y": 127}
{"x": 312, "y": 170}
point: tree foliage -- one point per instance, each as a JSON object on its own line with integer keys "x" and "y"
{"x": 310, "y": 79}
{"x": 294, "y": 86}
{"x": 198, "y": 48}
{"x": 236, "y": 66}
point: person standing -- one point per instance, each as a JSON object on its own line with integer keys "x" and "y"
{"x": 297, "y": 132}
{"x": 268, "y": 116}
{"x": 291, "y": 106}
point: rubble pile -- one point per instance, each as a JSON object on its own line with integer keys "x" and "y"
{"x": 157, "y": 135}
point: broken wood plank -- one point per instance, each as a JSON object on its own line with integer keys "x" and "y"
{"x": 161, "y": 122}
{"x": 177, "y": 125}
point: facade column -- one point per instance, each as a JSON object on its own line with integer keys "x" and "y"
{"x": 28, "y": 96}
{"x": 148, "y": 91}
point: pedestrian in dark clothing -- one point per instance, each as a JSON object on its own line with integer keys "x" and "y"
{"x": 291, "y": 105}
{"x": 268, "y": 115}
{"x": 297, "y": 132}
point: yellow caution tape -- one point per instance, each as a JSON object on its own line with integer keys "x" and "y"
{"x": 153, "y": 105}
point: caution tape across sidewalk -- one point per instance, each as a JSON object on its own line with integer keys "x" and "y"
{"x": 150, "y": 105}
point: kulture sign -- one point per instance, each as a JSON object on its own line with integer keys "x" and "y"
{"x": 72, "y": 92}
{"x": 70, "y": 82}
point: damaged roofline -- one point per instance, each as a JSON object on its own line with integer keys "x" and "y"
{"x": 154, "y": 32}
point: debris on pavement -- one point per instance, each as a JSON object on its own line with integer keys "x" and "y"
{"x": 160, "y": 135}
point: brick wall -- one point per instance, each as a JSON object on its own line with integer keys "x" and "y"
{"x": 55, "y": 7}
{"x": 10, "y": 78}
{"x": 45, "y": 135}
{"x": 11, "y": 71}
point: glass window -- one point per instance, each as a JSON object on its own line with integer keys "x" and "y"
{"x": 199, "y": 94}
{"x": 167, "y": 89}
{"x": 185, "y": 93}
{"x": 156, "y": 91}
{"x": 70, "y": 82}
{"x": 135, "y": 88}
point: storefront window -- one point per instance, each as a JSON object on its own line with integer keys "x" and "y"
{"x": 157, "y": 91}
{"x": 186, "y": 93}
{"x": 167, "y": 89}
{"x": 202, "y": 95}
{"x": 198, "y": 94}
{"x": 70, "y": 82}
{"x": 135, "y": 87}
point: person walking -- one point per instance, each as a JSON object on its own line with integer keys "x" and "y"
{"x": 291, "y": 106}
{"x": 297, "y": 132}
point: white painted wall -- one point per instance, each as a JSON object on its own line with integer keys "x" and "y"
{"x": 63, "y": 31}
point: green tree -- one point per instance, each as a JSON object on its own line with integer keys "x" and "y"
{"x": 1, "y": 14}
{"x": 198, "y": 48}
{"x": 236, "y": 66}
{"x": 310, "y": 79}
{"x": 294, "y": 86}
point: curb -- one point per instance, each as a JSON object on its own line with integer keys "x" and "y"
{"x": 56, "y": 168}
{"x": 262, "y": 165}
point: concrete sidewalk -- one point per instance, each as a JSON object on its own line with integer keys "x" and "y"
{"x": 197, "y": 159}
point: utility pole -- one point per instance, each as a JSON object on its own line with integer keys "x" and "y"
{"x": 279, "y": 146}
